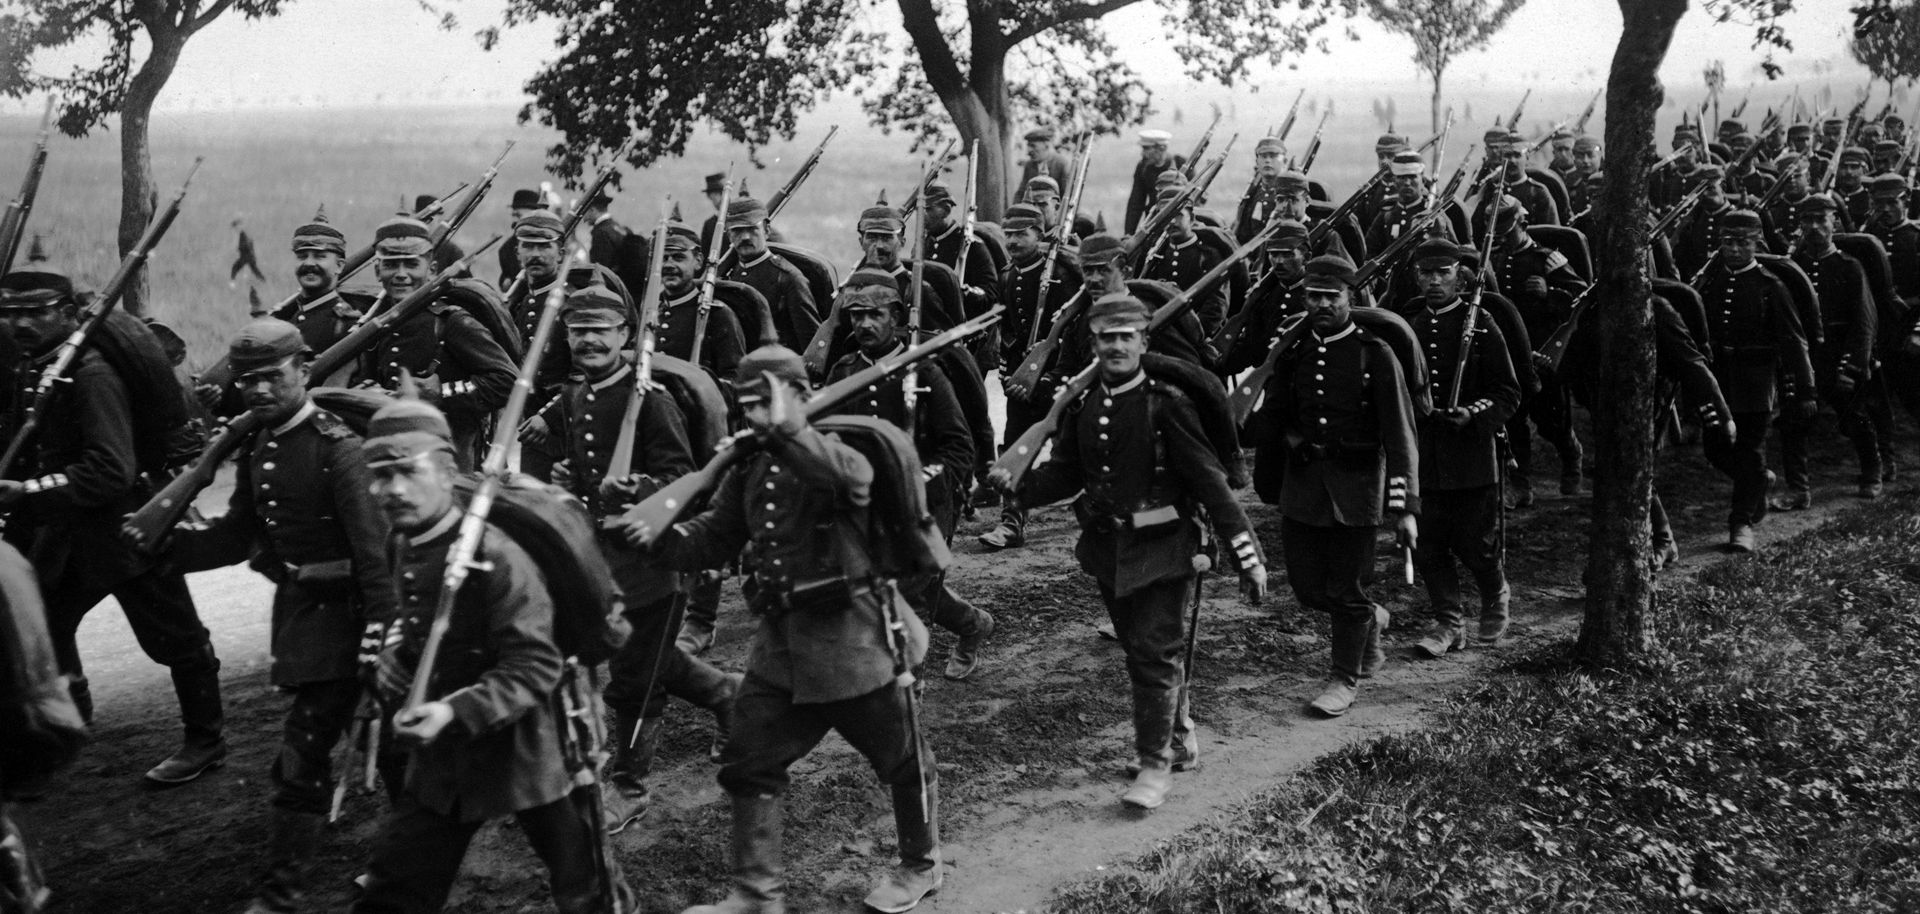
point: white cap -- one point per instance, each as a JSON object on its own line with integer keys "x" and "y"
{"x": 1155, "y": 136}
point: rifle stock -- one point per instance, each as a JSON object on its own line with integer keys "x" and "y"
{"x": 646, "y": 521}
{"x": 1028, "y": 374}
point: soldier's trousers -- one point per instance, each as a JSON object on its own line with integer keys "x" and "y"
{"x": 769, "y": 733}
{"x": 80, "y": 568}
{"x": 302, "y": 771}
{"x": 651, "y": 667}
{"x": 933, "y": 595}
{"x": 1151, "y": 626}
{"x": 1552, "y": 410}
{"x": 1328, "y": 568}
{"x": 1796, "y": 437}
{"x": 1744, "y": 461}
{"x": 1021, "y": 415}
{"x": 1462, "y": 525}
{"x": 418, "y": 854}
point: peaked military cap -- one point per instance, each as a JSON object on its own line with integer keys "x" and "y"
{"x": 262, "y": 342}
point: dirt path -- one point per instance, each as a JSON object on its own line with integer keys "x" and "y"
{"x": 1030, "y": 751}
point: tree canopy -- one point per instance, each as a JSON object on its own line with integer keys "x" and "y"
{"x": 1442, "y": 30}
{"x": 1886, "y": 39}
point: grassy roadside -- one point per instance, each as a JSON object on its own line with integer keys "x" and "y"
{"x": 1769, "y": 761}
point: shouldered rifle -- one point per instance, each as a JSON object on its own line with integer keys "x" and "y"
{"x": 895, "y": 631}
{"x": 1019, "y": 456}
{"x": 583, "y": 750}
{"x": 1513, "y": 123}
{"x": 709, "y": 275}
{"x": 358, "y": 260}
{"x": 1554, "y": 350}
{"x": 1580, "y": 123}
{"x": 1150, "y": 238}
{"x": 940, "y": 161}
{"x": 620, "y": 462}
{"x": 1293, "y": 112}
{"x": 778, "y": 201}
{"x": 147, "y": 528}
{"x": 1061, "y": 233}
{"x": 1313, "y": 145}
{"x": 1439, "y": 157}
{"x": 579, "y": 214}
{"x": 665, "y": 507}
{"x": 13, "y": 226}
{"x": 910, "y": 382}
{"x": 1459, "y": 177}
{"x": 446, "y": 227}
{"x": 1230, "y": 331}
{"x": 1479, "y": 290}
{"x": 1246, "y": 392}
{"x": 1833, "y": 168}
{"x": 91, "y": 318}
{"x": 462, "y": 557}
{"x": 1200, "y": 146}
{"x": 967, "y": 207}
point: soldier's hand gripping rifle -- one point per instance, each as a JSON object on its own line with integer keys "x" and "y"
{"x": 579, "y": 214}
{"x": 13, "y": 226}
{"x": 646, "y": 336}
{"x": 1200, "y": 147}
{"x": 1018, "y": 458}
{"x": 646, "y": 521}
{"x": 90, "y": 320}
{"x": 710, "y": 275}
{"x": 147, "y": 528}
{"x": 1246, "y": 392}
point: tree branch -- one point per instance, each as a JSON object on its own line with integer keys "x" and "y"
{"x": 213, "y": 12}
{"x": 936, "y": 56}
{"x": 1082, "y": 13}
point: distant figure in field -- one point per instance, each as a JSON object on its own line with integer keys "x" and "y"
{"x": 243, "y": 258}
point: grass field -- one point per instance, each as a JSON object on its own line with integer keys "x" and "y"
{"x": 273, "y": 168}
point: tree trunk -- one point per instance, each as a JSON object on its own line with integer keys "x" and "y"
{"x": 1618, "y": 625}
{"x": 138, "y": 199}
{"x": 1435, "y": 118}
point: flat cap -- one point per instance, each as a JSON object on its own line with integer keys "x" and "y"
{"x": 881, "y": 217}
{"x": 1389, "y": 141}
{"x": 1042, "y": 184}
{"x": 404, "y": 430}
{"x": 34, "y": 288}
{"x": 681, "y": 237}
{"x": 1021, "y": 216}
{"x": 1291, "y": 182}
{"x": 401, "y": 236}
{"x": 750, "y": 377}
{"x": 1101, "y": 247}
{"x": 1268, "y": 144}
{"x": 1155, "y": 137}
{"x": 1888, "y": 185}
{"x": 538, "y": 226}
{"x": 1740, "y": 220}
{"x": 1855, "y": 154}
{"x": 1586, "y": 143}
{"x": 1118, "y": 311}
{"x": 1800, "y": 130}
{"x": 1330, "y": 271}
{"x": 745, "y": 212}
{"x": 1815, "y": 205}
{"x": 1435, "y": 250}
{"x": 319, "y": 235}
{"x": 1287, "y": 234}
{"x": 1888, "y": 146}
{"x": 263, "y": 342}
{"x": 594, "y": 306}
{"x": 1406, "y": 162}
{"x": 938, "y": 194}
{"x": 1039, "y": 133}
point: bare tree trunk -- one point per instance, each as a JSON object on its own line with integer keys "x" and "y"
{"x": 138, "y": 199}
{"x": 1618, "y": 625}
{"x": 1435, "y": 119}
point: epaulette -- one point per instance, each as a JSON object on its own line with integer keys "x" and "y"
{"x": 331, "y": 426}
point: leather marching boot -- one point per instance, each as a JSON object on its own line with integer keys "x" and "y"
{"x": 292, "y": 837}
{"x": 197, "y": 685}
{"x": 1186, "y": 740}
{"x": 1376, "y": 656}
{"x": 1346, "y": 657}
{"x": 1153, "y": 712}
{"x": 966, "y": 654}
{"x": 1494, "y": 617}
{"x": 1441, "y": 639}
{"x": 635, "y": 741}
{"x": 759, "y": 878}
{"x": 82, "y": 694}
{"x": 701, "y": 618}
{"x": 920, "y": 872}
{"x": 716, "y": 697}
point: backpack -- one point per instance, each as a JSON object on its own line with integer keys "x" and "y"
{"x": 902, "y": 539}
{"x": 589, "y": 610}
{"x": 484, "y": 302}
{"x": 1209, "y": 398}
{"x": 40, "y": 728}
{"x": 701, "y": 402}
{"x": 164, "y": 434}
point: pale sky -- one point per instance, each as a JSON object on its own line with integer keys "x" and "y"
{"x": 390, "y": 51}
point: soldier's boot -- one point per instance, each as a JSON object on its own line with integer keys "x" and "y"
{"x": 701, "y": 618}
{"x": 1793, "y": 500}
{"x": 1441, "y": 639}
{"x": 1520, "y": 485}
{"x": 966, "y": 654}
{"x": 82, "y": 694}
{"x": 635, "y": 742}
{"x": 1740, "y": 538}
{"x": 197, "y": 686}
{"x": 1186, "y": 738}
{"x": 292, "y": 837}
{"x": 759, "y": 879}
{"x": 920, "y": 872}
{"x": 1011, "y": 531}
{"x": 1494, "y": 617}
{"x": 1570, "y": 458}
{"x": 1153, "y": 713}
{"x": 1376, "y": 656}
{"x": 714, "y": 692}
{"x": 1347, "y": 654}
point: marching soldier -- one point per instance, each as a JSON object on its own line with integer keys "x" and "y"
{"x": 1132, "y": 447}
{"x": 1850, "y": 184}
{"x": 1291, "y": 194}
{"x": 796, "y": 317}
{"x": 1409, "y": 202}
{"x": 681, "y": 264}
{"x": 1459, "y": 450}
{"x": 301, "y": 513}
{"x": 1385, "y": 150}
{"x": 1154, "y": 159}
{"x": 1843, "y": 361}
{"x": 1540, "y": 205}
{"x": 1261, "y": 200}
{"x": 1043, "y": 159}
{"x": 1338, "y": 416}
{"x": 1542, "y": 285}
{"x": 485, "y": 744}
{"x": 537, "y": 241}
{"x": 1760, "y": 360}
{"x": 1104, "y": 267}
{"x": 593, "y": 405}
{"x": 1886, "y": 156}
{"x": 1666, "y": 185}
{"x": 614, "y": 246}
{"x": 525, "y": 200}
{"x": 1583, "y": 181}
{"x": 1900, "y": 347}
{"x": 1560, "y": 154}
{"x": 882, "y": 233}
{"x": 1044, "y": 192}
{"x": 1280, "y": 296}
{"x": 1777, "y": 217}
{"x": 820, "y": 658}
{"x": 873, "y": 306}
{"x": 79, "y": 476}
{"x": 1020, "y": 292}
{"x": 1697, "y": 238}
{"x": 324, "y": 312}
{"x": 448, "y": 351}
{"x": 1800, "y": 138}
{"x": 1184, "y": 258}
{"x": 945, "y": 236}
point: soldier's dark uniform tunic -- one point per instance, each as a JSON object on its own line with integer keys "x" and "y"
{"x": 1273, "y": 302}
{"x": 1582, "y": 190}
{"x": 1182, "y": 263}
{"x": 1666, "y": 185}
{"x": 324, "y": 319}
{"x": 724, "y": 344}
{"x": 474, "y": 374}
{"x": 1542, "y": 209}
{"x": 1459, "y": 466}
{"x": 1899, "y": 347}
{"x": 1551, "y": 408}
{"x": 796, "y": 317}
{"x": 82, "y": 479}
{"x": 499, "y": 669}
{"x": 301, "y": 515}
{"x": 1149, "y": 484}
{"x": 1338, "y": 412}
{"x": 1256, "y": 209}
{"x": 1020, "y": 291}
{"x": 1393, "y": 220}
{"x": 1697, "y": 237}
{"x": 1759, "y": 358}
{"x": 1847, "y": 350}
{"x": 944, "y": 248}
{"x": 524, "y": 305}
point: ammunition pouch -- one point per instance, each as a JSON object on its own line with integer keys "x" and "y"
{"x": 1108, "y": 523}
{"x": 814, "y": 596}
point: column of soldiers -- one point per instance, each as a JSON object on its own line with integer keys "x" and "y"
{"x": 1393, "y": 356}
